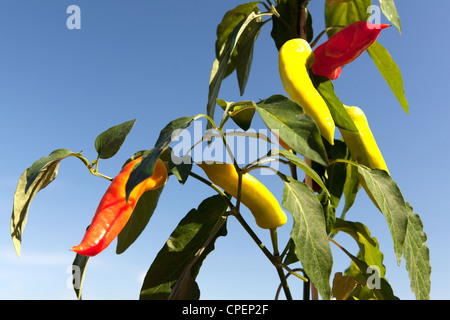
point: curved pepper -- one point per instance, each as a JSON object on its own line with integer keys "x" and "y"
{"x": 294, "y": 59}
{"x": 362, "y": 145}
{"x": 114, "y": 211}
{"x": 254, "y": 195}
{"x": 344, "y": 47}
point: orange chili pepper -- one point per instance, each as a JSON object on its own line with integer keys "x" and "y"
{"x": 114, "y": 210}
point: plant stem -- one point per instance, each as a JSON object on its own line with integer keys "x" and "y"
{"x": 273, "y": 259}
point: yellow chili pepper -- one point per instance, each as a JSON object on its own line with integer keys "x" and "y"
{"x": 362, "y": 145}
{"x": 295, "y": 58}
{"x": 254, "y": 195}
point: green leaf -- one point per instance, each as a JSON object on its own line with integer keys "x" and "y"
{"x": 230, "y": 21}
{"x": 228, "y": 33}
{"x": 391, "y": 13}
{"x": 174, "y": 266}
{"x": 181, "y": 167}
{"x": 336, "y": 174}
{"x": 35, "y": 178}
{"x": 78, "y": 271}
{"x": 167, "y": 135}
{"x": 343, "y": 286}
{"x": 244, "y": 56}
{"x": 363, "y": 273}
{"x": 109, "y": 142}
{"x": 139, "y": 219}
{"x": 309, "y": 234}
{"x": 351, "y": 188}
{"x": 296, "y": 129}
{"x": 369, "y": 249}
{"x": 243, "y": 112}
{"x": 390, "y": 71}
{"x": 387, "y": 196}
{"x": 38, "y": 166}
{"x": 299, "y": 162}
{"x": 287, "y": 26}
{"x": 346, "y": 13}
{"x": 340, "y": 116}
{"x": 417, "y": 256}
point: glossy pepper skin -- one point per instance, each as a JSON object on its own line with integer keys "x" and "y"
{"x": 362, "y": 145}
{"x": 254, "y": 195}
{"x": 114, "y": 211}
{"x": 294, "y": 60}
{"x": 344, "y": 47}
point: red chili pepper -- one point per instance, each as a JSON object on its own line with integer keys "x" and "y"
{"x": 344, "y": 47}
{"x": 114, "y": 211}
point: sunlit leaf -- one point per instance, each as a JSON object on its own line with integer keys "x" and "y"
{"x": 326, "y": 89}
{"x": 346, "y": 13}
{"x": 391, "y": 13}
{"x": 390, "y": 71}
{"x": 387, "y": 196}
{"x": 309, "y": 235}
{"x": 109, "y": 142}
{"x": 417, "y": 256}
{"x": 296, "y": 129}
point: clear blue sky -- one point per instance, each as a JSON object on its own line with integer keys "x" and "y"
{"x": 151, "y": 61}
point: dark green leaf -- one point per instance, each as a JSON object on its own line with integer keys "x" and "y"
{"x": 287, "y": 26}
{"x": 181, "y": 167}
{"x": 296, "y": 129}
{"x": 78, "y": 270}
{"x": 174, "y": 264}
{"x": 346, "y": 13}
{"x": 309, "y": 234}
{"x": 390, "y": 71}
{"x": 390, "y": 12}
{"x": 417, "y": 256}
{"x": 336, "y": 174}
{"x": 386, "y": 195}
{"x": 145, "y": 168}
{"x": 37, "y": 177}
{"x": 337, "y": 110}
{"x": 228, "y": 33}
{"x": 244, "y": 48}
{"x": 36, "y": 168}
{"x": 230, "y": 20}
{"x": 351, "y": 188}
{"x": 139, "y": 219}
{"x": 329, "y": 211}
{"x": 243, "y": 112}
{"x": 109, "y": 142}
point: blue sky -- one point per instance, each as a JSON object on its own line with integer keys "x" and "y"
{"x": 60, "y": 88}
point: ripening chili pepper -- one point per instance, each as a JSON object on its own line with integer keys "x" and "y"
{"x": 254, "y": 195}
{"x": 114, "y": 210}
{"x": 294, "y": 60}
{"x": 362, "y": 145}
{"x": 344, "y": 47}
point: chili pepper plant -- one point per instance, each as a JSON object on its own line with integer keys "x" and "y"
{"x": 317, "y": 173}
